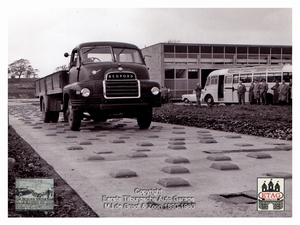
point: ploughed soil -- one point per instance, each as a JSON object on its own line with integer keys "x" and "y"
{"x": 259, "y": 120}
{"x": 272, "y": 121}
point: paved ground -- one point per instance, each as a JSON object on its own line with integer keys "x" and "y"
{"x": 165, "y": 171}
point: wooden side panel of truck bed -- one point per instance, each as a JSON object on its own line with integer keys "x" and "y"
{"x": 51, "y": 84}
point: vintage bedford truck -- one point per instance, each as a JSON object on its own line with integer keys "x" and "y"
{"x": 104, "y": 80}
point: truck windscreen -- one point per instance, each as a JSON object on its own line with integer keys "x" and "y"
{"x": 98, "y": 54}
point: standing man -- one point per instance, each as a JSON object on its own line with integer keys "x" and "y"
{"x": 283, "y": 93}
{"x": 263, "y": 92}
{"x": 163, "y": 94}
{"x": 275, "y": 89}
{"x": 256, "y": 94}
{"x": 251, "y": 95}
{"x": 290, "y": 97}
{"x": 198, "y": 93}
{"x": 241, "y": 90}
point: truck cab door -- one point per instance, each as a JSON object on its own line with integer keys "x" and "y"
{"x": 74, "y": 67}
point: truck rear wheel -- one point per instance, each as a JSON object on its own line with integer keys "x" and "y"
{"x": 144, "y": 118}
{"x": 46, "y": 116}
{"x": 73, "y": 116}
{"x": 49, "y": 116}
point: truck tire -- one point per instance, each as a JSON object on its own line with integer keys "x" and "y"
{"x": 74, "y": 117}
{"x": 46, "y": 116}
{"x": 98, "y": 117}
{"x": 144, "y": 118}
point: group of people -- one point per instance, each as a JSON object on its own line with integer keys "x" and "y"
{"x": 282, "y": 93}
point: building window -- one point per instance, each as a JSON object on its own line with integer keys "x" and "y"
{"x": 193, "y": 74}
{"x": 253, "y": 50}
{"x": 181, "y": 52}
{"x": 264, "y": 50}
{"x": 206, "y": 54}
{"x": 168, "y": 48}
{"x": 276, "y": 50}
{"x": 193, "y": 49}
{"x": 205, "y": 49}
{"x": 170, "y": 84}
{"x": 169, "y": 73}
{"x": 218, "y": 49}
{"x": 180, "y": 73}
{"x": 181, "y": 49}
{"x": 230, "y": 50}
{"x": 241, "y": 49}
{"x": 287, "y": 51}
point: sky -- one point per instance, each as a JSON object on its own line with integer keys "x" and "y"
{"x": 43, "y": 35}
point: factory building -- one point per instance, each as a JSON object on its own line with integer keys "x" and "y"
{"x": 180, "y": 66}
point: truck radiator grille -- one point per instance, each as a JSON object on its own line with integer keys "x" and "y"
{"x": 125, "y": 88}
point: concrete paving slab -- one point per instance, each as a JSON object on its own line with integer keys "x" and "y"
{"x": 118, "y": 197}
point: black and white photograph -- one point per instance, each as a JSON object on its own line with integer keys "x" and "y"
{"x": 160, "y": 112}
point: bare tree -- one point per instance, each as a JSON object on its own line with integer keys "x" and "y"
{"x": 173, "y": 41}
{"x": 21, "y": 68}
{"x": 63, "y": 67}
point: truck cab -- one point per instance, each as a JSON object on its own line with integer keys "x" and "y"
{"x": 106, "y": 80}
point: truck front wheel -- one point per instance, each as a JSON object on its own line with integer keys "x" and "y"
{"x": 144, "y": 118}
{"x": 73, "y": 116}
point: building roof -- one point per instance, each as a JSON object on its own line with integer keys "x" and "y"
{"x": 210, "y": 44}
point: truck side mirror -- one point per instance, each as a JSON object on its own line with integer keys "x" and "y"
{"x": 66, "y": 55}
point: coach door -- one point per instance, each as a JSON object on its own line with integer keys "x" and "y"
{"x": 228, "y": 88}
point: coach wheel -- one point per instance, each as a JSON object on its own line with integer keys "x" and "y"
{"x": 209, "y": 100}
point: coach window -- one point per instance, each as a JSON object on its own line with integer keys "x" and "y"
{"x": 235, "y": 78}
{"x": 272, "y": 77}
{"x": 228, "y": 80}
{"x": 246, "y": 78}
{"x": 287, "y": 76}
{"x": 259, "y": 76}
{"x": 207, "y": 81}
{"x": 214, "y": 80}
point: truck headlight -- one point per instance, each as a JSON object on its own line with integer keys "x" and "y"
{"x": 85, "y": 92}
{"x": 155, "y": 90}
